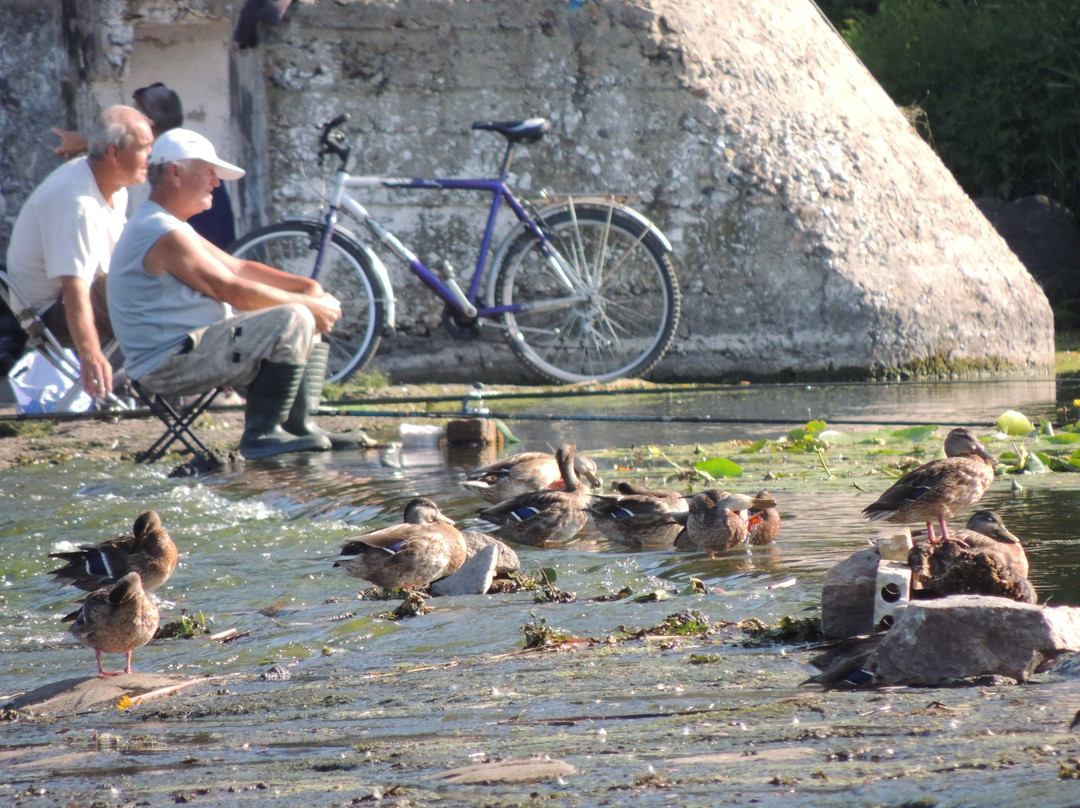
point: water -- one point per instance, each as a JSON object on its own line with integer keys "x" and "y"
{"x": 257, "y": 543}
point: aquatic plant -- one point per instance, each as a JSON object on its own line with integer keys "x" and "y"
{"x": 185, "y": 627}
{"x": 538, "y": 634}
{"x": 790, "y": 630}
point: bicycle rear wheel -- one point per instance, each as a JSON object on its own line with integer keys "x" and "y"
{"x": 346, "y": 273}
{"x": 610, "y": 312}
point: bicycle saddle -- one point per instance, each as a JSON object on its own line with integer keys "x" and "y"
{"x": 527, "y": 131}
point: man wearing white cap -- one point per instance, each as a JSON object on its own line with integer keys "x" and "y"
{"x": 172, "y": 296}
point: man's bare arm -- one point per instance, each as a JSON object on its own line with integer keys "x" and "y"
{"x": 261, "y": 273}
{"x": 199, "y": 264}
{"x": 93, "y": 364}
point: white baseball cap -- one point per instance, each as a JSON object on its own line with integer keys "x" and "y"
{"x": 183, "y": 144}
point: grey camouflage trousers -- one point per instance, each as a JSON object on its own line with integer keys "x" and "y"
{"x": 230, "y": 353}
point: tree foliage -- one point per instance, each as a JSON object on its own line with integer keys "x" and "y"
{"x": 996, "y": 85}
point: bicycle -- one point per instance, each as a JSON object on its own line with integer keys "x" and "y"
{"x": 584, "y": 288}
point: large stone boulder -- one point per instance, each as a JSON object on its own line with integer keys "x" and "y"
{"x": 816, "y": 234}
{"x": 937, "y": 642}
{"x": 848, "y": 595}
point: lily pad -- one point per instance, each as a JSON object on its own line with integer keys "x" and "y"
{"x": 719, "y": 467}
{"x": 1063, "y": 438}
{"x": 915, "y": 434}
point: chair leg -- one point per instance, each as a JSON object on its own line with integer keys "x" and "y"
{"x": 177, "y": 424}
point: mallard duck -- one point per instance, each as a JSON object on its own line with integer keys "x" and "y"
{"x": 843, "y": 662}
{"x": 544, "y": 518}
{"x": 762, "y": 524}
{"x": 639, "y": 517}
{"x": 115, "y": 619}
{"x": 150, "y": 551}
{"x": 523, "y": 473}
{"x": 986, "y": 532}
{"x": 426, "y": 546}
{"x": 716, "y": 520}
{"x": 982, "y": 559}
{"x": 938, "y": 490}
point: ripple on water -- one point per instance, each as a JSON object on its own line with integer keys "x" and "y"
{"x": 257, "y": 543}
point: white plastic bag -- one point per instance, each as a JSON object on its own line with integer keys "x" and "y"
{"x": 40, "y": 388}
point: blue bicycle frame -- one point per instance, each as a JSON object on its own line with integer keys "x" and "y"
{"x": 449, "y": 290}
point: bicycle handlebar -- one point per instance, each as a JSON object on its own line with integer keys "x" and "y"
{"x": 332, "y": 139}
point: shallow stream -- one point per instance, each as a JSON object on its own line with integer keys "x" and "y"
{"x": 376, "y": 708}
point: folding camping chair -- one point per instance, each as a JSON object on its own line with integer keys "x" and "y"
{"x": 45, "y": 343}
{"x": 178, "y": 421}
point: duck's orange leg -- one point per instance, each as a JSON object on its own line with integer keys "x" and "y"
{"x": 101, "y": 669}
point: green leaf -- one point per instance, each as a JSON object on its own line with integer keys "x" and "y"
{"x": 758, "y": 445}
{"x": 915, "y": 434}
{"x": 1063, "y": 438}
{"x": 696, "y": 587}
{"x": 1034, "y": 465}
{"x": 816, "y": 427}
{"x": 719, "y": 467}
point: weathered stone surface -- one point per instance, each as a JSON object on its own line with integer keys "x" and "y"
{"x": 78, "y": 695}
{"x": 507, "y": 560}
{"x": 815, "y": 233}
{"x": 473, "y": 578}
{"x": 509, "y": 771}
{"x": 937, "y": 641}
{"x": 848, "y": 596}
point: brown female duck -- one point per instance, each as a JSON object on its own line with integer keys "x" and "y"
{"x": 762, "y": 524}
{"x": 150, "y": 551}
{"x": 544, "y": 518}
{"x": 638, "y": 517}
{"x": 115, "y": 619}
{"x": 938, "y": 490}
{"x": 985, "y": 532}
{"x": 523, "y": 473}
{"x": 716, "y": 520}
{"x": 426, "y": 546}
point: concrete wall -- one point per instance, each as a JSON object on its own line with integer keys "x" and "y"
{"x": 815, "y": 233}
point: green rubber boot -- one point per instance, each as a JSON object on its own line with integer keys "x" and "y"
{"x": 308, "y": 396}
{"x": 269, "y": 400}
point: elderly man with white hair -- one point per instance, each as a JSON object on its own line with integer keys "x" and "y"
{"x": 62, "y": 242}
{"x": 189, "y": 316}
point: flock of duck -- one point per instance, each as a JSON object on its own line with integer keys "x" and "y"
{"x": 536, "y": 499}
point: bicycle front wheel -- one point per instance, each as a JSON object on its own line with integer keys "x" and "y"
{"x": 604, "y": 308}
{"x": 346, "y": 273}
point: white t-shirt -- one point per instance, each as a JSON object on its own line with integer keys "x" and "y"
{"x": 66, "y": 227}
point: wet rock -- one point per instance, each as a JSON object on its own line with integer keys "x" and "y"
{"x": 276, "y": 673}
{"x": 508, "y": 559}
{"x": 509, "y": 771}
{"x": 848, "y": 596}
{"x": 77, "y": 695}
{"x": 939, "y": 641}
{"x": 474, "y": 577}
